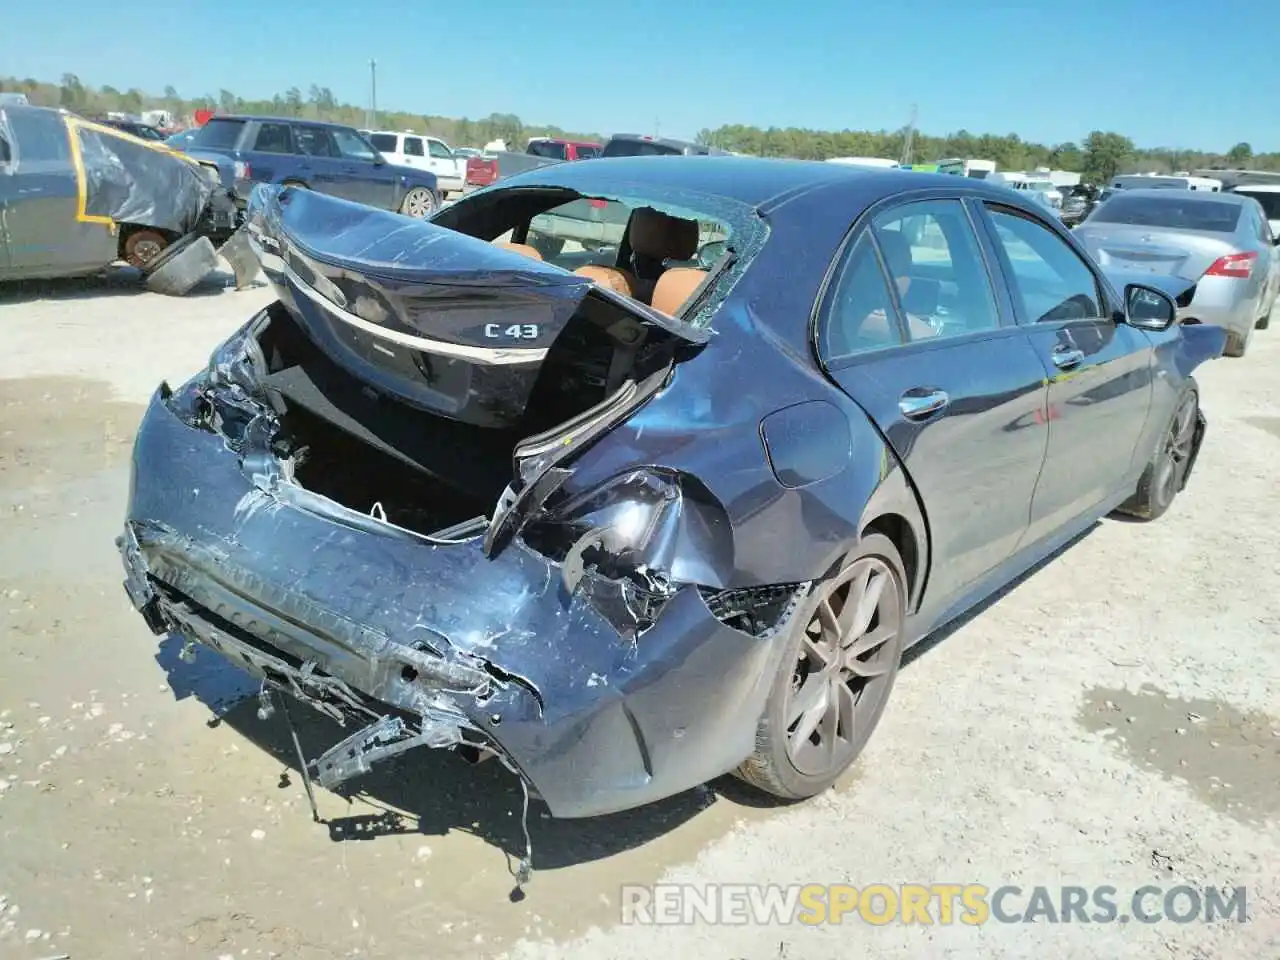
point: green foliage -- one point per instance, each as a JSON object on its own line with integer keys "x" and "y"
{"x": 1105, "y": 155}
{"x": 1100, "y": 156}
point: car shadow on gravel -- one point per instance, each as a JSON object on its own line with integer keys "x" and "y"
{"x": 427, "y": 792}
{"x": 115, "y": 281}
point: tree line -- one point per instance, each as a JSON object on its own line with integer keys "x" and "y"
{"x": 1100, "y": 156}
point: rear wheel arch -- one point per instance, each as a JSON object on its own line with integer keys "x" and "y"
{"x": 900, "y": 532}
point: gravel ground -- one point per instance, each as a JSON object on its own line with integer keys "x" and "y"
{"x": 1113, "y": 719}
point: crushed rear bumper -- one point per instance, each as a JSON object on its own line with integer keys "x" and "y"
{"x": 365, "y": 620}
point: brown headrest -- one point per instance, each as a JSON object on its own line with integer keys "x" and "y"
{"x": 675, "y": 287}
{"x": 611, "y": 277}
{"x": 521, "y": 248}
{"x": 660, "y": 236}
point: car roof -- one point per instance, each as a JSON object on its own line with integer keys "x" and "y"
{"x": 1195, "y": 196}
{"x": 245, "y": 117}
{"x": 750, "y": 180}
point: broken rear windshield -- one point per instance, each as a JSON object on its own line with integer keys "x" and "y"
{"x": 218, "y": 134}
{"x": 1172, "y": 211}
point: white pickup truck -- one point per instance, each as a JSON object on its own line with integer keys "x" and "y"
{"x": 423, "y": 153}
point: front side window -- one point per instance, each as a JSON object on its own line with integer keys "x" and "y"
{"x": 936, "y": 264}
{"x": 273, "y": 138}
{"x": 859, "y": 311}
{"x": 352, "y": 146}
{"x": 1050, "y": 281}
{"x": 439, "y": 150}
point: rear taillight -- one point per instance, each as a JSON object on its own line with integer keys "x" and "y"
{"x": 1239, "y": 265}
{"x": 242, "y": 170}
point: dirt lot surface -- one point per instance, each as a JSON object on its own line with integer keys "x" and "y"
{"x": 1113, "y": 719}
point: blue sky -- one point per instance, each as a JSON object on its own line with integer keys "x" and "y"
{"x": 1165, "y": 72}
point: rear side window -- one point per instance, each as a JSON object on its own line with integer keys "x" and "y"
{"x": 386, "y": 142}
{"x": 1176, "y": 210}
{"x": 1050, "y": 281}
{"x": 218, "y": 134}
{"x": 859, "y": 311}
{"x": 412, "y": 146}
{"x": 936, "y": 264}
{"x": 273, "y": 138}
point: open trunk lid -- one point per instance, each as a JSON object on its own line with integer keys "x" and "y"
{"x": 444, "y": 321}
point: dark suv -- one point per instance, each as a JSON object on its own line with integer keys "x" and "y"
{"x": 326, "y": 157}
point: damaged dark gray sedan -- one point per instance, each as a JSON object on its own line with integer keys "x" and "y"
{"x": 669, "y": 504}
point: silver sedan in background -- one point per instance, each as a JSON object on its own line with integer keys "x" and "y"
{"x": 1220, "y": 240}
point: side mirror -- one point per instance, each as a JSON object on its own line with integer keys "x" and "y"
{"x": 1275, "y": 241}
{"x": 1148, "y": 309}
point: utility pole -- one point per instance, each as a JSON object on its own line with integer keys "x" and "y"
{"x": 371, "y": 120}
{"x": 909, "y": 139}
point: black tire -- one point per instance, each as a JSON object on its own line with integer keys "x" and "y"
{"x": 182, "y": 272}
{"x": 549, "y": 247}
{"x": 169, "y": 252}
{"x": 793, "y": 766}
{"x": 1264, "y": 321}
{"x": 1166, "y": 472}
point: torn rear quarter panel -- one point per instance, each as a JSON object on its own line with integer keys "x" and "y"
{"x": 596, "y": 713}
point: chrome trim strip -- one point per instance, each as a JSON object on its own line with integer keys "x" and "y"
{"x": 493, "y": 356}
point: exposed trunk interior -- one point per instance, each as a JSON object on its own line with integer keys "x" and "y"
{"x": 376, "y": 454}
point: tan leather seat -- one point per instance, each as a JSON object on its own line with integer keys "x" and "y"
{"x": 521, "y": 248}
{"x": 674, "y": 288}
{"x": 615, "y": 279}
{"x": 659, "y": 236}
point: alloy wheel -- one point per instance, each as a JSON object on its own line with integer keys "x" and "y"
{"x": 845, "y": 666}
{"x": 419, "y": 203}
{"x": 1177, "y": 450}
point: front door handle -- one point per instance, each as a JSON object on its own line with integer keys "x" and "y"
{"x": 922, "y": 403}
{"x": 1065, "y": 358}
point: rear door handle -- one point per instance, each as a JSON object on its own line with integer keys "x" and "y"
{"x": 1065, "y": 358}
{"x": 921, "y": 403}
